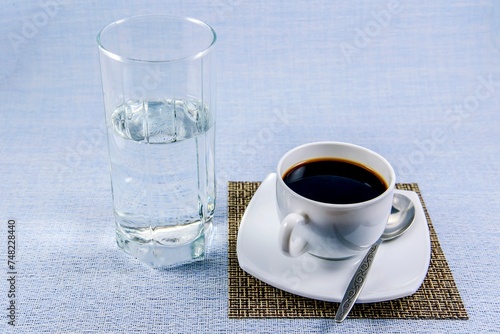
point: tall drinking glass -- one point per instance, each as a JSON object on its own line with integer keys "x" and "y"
{"x": 158, "y": 81}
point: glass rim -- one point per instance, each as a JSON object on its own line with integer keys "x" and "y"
{"x": 117, "y": 57}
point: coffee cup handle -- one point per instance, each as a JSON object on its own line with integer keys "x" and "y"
{"x": 298, "y": 246}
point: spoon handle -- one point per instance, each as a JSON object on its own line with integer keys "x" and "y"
{"x": 357, "y": 283}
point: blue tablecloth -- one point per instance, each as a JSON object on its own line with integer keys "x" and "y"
{"x": 418, "y": 82}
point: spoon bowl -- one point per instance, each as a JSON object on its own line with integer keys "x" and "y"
{"x": 401, "y": 217}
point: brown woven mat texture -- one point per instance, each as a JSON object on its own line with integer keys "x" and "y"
{"x": 437, "y": 298}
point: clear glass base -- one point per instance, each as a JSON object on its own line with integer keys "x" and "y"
{"x": 164, "y": 256}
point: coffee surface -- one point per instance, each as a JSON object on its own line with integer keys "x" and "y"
{"x": 334, "y": 181}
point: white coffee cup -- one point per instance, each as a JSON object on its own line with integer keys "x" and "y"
{"x": 325, "y": 230}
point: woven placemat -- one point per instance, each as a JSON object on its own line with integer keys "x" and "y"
{"x": 437, "y": 298}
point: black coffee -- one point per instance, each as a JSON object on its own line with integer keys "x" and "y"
{"x": 334, "y": 181}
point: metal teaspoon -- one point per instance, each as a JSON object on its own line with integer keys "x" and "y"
{"x": 400, "y": 219}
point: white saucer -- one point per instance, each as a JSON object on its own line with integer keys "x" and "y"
{"x": 398, "y": 269}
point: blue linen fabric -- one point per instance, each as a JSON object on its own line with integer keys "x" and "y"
{"x": 418, "y": 82}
